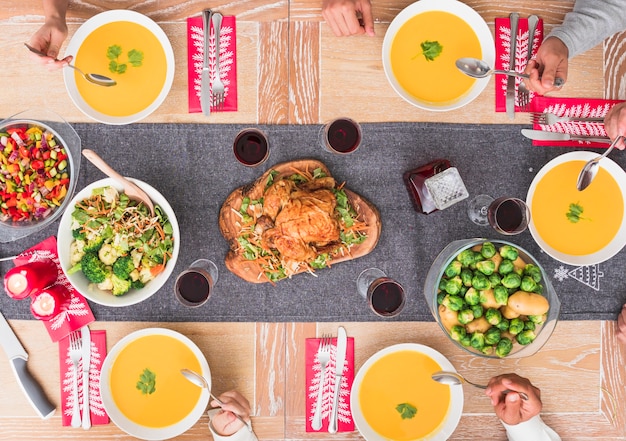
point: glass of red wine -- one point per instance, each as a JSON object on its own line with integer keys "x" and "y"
{"x": 385, "y": 296}
{"x": 194, "y": 285}
{"x": 341, "y": 135}
{"x": 506, "y": 215}
{"x": 251, "y": 147}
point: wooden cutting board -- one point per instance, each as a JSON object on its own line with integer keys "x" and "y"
{"x": 229, "y": 220}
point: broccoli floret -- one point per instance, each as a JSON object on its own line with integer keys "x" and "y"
{"x": 120, "y": 286}
{"x": 123, "y": 266}
{"x": 137, "y": 284}
{"x": 79, "y": 234}
{"x": 94, "y": 245}
{"x": 93, "y": 268}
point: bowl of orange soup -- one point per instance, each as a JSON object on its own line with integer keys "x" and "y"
{"x": 394, "y": 398}
{"x": 129, "y": 48}
{"x": 143, "y": 390}
{"x": 421, "y": 47}
{"x": 578, "y": 227}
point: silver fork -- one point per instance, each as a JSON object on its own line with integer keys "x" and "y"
{"x": 75, "y": 356}
{"x": 217, "y": 89}
{"x": 323, "y": 355}
{"x": 523, "y": 94}
{"x": 548, "y": 118}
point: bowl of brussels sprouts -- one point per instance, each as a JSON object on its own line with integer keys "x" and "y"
{"x": 492, "y": 298}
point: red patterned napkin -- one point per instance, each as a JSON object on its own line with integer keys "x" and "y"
{"x": 313, "y": 374}
{"x": 583, "y": 107}
{"x": 503, "y": 49}
{"x": 98, "y": 352}
{"x": 75, "y": 312}
{"x": 228, "y": 61}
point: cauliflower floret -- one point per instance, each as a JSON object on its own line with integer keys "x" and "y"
{"x": 137, "y": 256}
{"x": 134, "y": 275}
{"x": 110, "y": 195}
{"x": 107, "y": 285}
{"x": 107, "y": 254}
{"x": 145, "y": 275}
{"x": 76, "y": 251}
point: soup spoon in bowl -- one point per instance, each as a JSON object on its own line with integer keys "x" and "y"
{"x": 454, "y": 378}
{"x": 200, "y": 381}
{"x": 94, "y": 78}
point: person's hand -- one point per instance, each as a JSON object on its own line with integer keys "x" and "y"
{"x": 224, "y": 422}
{"x": 621, "y": 326}
{"x": 349, "y": 17}
{"x": 549, "y": 63}
{"x": 510, "y": 407}
{"x": 48, "y": 39}
{"x": 615, "y": 125}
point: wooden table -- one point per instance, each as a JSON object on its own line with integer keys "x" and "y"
{"x": 292, "y": 70}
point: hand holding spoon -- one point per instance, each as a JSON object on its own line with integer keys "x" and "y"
{"x": 130, "y": 188}
{"x": 454, "y": 378}
{"x": 476, "y": 68}
{"x": 590, "y": 169}
{"x": 94, "y": 78}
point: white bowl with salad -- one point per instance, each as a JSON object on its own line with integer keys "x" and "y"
{"x": 110, "y": 248}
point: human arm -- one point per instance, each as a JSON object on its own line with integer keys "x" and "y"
{"x": 615, "y": 125}
{"x": 520, "y": 417}
{"x": 621, "y": 326}
{"x": 224, "y": 425}
{"x": 343, "y": 17}
{"x": 50, "y": 36}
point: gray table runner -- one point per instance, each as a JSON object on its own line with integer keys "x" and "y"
{"x": 193, "y": 166}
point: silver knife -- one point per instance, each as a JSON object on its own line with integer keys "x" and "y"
{"x": 86, "y": 358}
{"x": 540, "y": 135}
{"x": 205, "y": 82}
{"x": 18, "y": 358}
{"x": 510, "y": 82}
{"x": 340, "y": 361}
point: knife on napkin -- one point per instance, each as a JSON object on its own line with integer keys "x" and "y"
{"x": 205, "y": 85}
{"x": 540, "y": 135}
{"x": 340, "y": 360}
{"x": 18, "y": 357}
{"x": 510, "y": 82}
{"x": 86, "y": 357}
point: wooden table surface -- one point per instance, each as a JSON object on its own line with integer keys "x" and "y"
{"x": 292, "y": 70}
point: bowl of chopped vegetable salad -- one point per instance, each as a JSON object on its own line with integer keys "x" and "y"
{"x": 39, "y": 164}
{"x": 111, "y": 249}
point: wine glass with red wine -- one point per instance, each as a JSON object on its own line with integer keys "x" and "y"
{"x": 341, "y": 135}
{"x": 251, "y": 147}
{"x": 385, "y": 296}
{"x": 193, "y": 286}
{"x": 506, "y": 215}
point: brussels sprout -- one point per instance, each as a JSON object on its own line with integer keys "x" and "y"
{"x": 533, "y": 271}
{"x": 501, "y": 294}
{"x": 478, "y": 340}
{"x": 512, "y": 281}
{"x": 528, "y": 284}
{"x": 487, "y": 350}
{"x": 504, "y": 324}
{"x": 440, "y": 297}
{"x": 488, "y": 250}
{"x": 478, "y": 311}
{"x": 480, "y": 281}
{"x": 442, "y": 284}
{"x": 466, "y": 276}
{"x": 465, "y": 340}
{"x": 537, "y": 319}
{"x": 453, "y": 269}
{"x": 457, "y": 332}
{"x": 509, "y": 252}
{"x": 453, "y": 286}
{"x": 504, "y": 347}
{"x": 454, "y": 303}
{"x": 472, "y": 297}
{"x": 516, "y": 326}
{"x": 466, "y": 257}
{"x": 487, "y": 267}
{"x": 493, "y": 316}
{"x": 465, "y": 316}
{"x": 525, "y": 337}
{"x": 529, "y": 326}
{"x": 495, "y": 279}
{"x": 506, "y": 267}
{"x": 492, "y": 336}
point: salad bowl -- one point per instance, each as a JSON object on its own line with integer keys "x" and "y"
{"x": 91, "y": 291}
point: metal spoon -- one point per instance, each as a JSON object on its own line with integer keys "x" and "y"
{"x": 590, "y": 169}
{"x": 130, "y": 188}
{"x": 2, "y": 259}
{"x": 476, "y": 68}
{"x": 200, "y": 381}
{"x": 94, "y": 78}
{"x": 453, "y": 378}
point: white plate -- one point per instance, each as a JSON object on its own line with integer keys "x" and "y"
{"x": 132, "y": 428}
{"x": 620, "y": 238}
{"x": 464, "y": 12}
{"x": 80, "y": 282}
{"x": 77, "y": 40}
{"x": 456, "y": 393}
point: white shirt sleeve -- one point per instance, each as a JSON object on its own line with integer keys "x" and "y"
{"x": 532, "y": 430}
{"x": 242, "y": 434}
